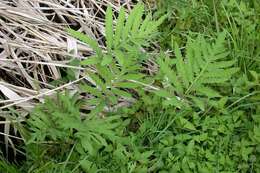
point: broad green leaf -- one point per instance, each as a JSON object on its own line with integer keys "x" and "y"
{"x": 185, "y": 166}
{"x": 99, "y": 108}
{"x": 100, "y": 139}
{"x": 222, "y": 73}
{"x": 213, "y": 80}
{"x": 246, "y": 151}
{"x": 147, "y": 154}
{"x": 183, "y": 137}
{"x": 111, "y": 97}
{"x": 87, "y": 146}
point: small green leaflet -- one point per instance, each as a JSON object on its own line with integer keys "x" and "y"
{"x": 186, "y": 124}
{"x": 130, "y": 20}
{"x": 119, "y": 26}
{"x": 208, "y": 92}
{"x": 91, "y": 90}
{"x": 92, "y": 60}
{"x": 121, "y": 93}
{"x": 137, "y": 76}
{"x": 109, "y": 27}
{"x": 138, "y": 20}
{"x": 107, "y": 59}
{"x": 126, "y": 85}
{"x": 120, "y": 57}
{"x": 86, "y": 39}
{"x": 199, "y": 102}
{"x": 181, "y": 66}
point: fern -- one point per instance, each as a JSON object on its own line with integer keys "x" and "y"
{"x": 129, "y": 35}
{"x": 120, "y": 65}
{"x": 194, "y": 76}
{"x": 61, "y": 122}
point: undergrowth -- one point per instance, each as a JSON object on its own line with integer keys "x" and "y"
{"x": 192, "y": 108}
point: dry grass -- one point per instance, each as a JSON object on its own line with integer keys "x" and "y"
{"x": 34, "y": 47}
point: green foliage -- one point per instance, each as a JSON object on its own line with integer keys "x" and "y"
{"x": 239, "y": 17}
{"x": 129, "y": 36}
{"x": 59, "y": 128}
{"x": 7, "y": 167}
{"x": 205, "y": 66}
{"x": 198, "y": 111}
{"x": 119, "y": 69}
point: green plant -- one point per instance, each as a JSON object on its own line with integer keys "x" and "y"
{"x": 119, "y": 69}
{"x": 196, "y": 112}
{"x": 191, "y": 79}
{"x": 55, "y": 125}
{"x": 91, "y": 137}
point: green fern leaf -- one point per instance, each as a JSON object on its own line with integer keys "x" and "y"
{"x": 144, "y": 25}
{"x": 92, "y": 60}
{"x": 170, "y": 74}
{"x": 130, "y": 20}
{"x": 153, "y": 25}
{"x": 109, "y": 27}
{"x": 91, "y": 90}
{"x": 205, "y": 66}
{"x": 126, "y": 85}
{"x": 84, "y": 38}
{"x": 181, "y": 67}
{"x": 120, "y": 57}
{"x": 119, "y": 27}
{"x": 210, "y": 93}
{"x": 138, "y": 20}
{"x": 107, "y": 59}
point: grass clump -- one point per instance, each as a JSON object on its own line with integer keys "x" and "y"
{"x": 193, "y": 108}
